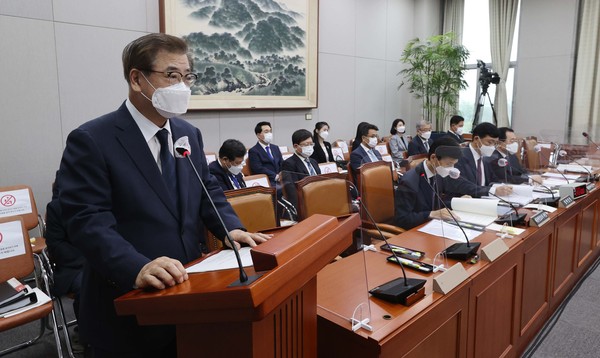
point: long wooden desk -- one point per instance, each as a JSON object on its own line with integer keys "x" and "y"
{"x": 496, "y": 312}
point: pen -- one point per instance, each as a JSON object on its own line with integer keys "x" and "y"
{"x": 413, "y": 264}
{"x": 406, "y": 252}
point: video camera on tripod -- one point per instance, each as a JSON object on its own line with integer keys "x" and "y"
{"x": 486, "y": 76}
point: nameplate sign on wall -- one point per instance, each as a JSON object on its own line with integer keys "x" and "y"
{"x": 15, "y": 202}
{"x": 447, "y": 281}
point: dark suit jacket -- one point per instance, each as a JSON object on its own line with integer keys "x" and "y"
{"x": 416, "y": 146}
{"x": 467, "y": 183}
{"x": 293, "y": 169}
{"x": 222, "y": 176}
{"x": 68, "y": 259}
{"x": 261, "y": 163}
{"x": 119, "y": 213}
{"x": 512, "y": 173}
{"x": 319, "y": 154}
{"x": 359, "y": 157}
{"x": 455, "y": 136}
{"x": 414, "y": 200}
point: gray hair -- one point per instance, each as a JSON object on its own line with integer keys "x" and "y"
{"x": 422, "y": 123}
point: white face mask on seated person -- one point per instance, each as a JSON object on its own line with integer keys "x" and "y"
{"x": 426, "y": 135}
{"x": 236, "y": 169}
{"x": 324, "y": 135}
{"x": 372, "y": 142}
{"x": 401, "y": 129}
{"x": 512, "y": 148}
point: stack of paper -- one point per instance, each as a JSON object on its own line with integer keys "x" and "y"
{"x": 574, "y": 168}
{"x": 475, "y": 211}
{"x": 521, "y": 194}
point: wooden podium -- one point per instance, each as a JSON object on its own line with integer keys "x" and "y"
{"x": 274, "y": 316}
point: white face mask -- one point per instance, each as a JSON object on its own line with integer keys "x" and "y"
{"x": 372, "y": 142}
{"x": 487, "y": 150}
{"x": 170, "y": 101}
{"x": 401, "y": 129}
{"x": 426, "y": 135}
{"x": 307, "y": 151}
{"x": 236, "y": 169}
{"x": 268, "y": 138}
{"x": 512, "y": 147}
{"x": 324, "y": 134}
{"x": 459, "y": 130}
{"x": 443, "y": 171}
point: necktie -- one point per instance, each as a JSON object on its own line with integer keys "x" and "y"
{"x": 372, "y": 155}
{"x": 426, "y": 145}
{"x": 268, "y": 148}
{"x": 236, "y": 183}
{"x": 167, "y": 163}
{"x": 480, "y": 178}
{"x": 311, "y": 170}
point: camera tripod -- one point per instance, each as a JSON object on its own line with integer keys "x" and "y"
{"x": 480, "y": 103}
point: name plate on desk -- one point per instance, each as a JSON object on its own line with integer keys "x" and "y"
{"x": 566, "y": 202}
{"x": 539, "y": 219}
{"x": 493, "y": 250}
{"x": 447, "y": 281}
{"x": 590, "y": 187}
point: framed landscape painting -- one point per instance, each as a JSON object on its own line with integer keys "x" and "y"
{"x": 248, "y": 53}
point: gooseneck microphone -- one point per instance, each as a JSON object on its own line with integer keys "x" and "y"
{"x": 460, "y": 250}
{"x": 503, "y": 163}
{"x": 243, "y": 280}
{"x": 513, "y": 218}
{"x": 587, "y": 136}
{"x": 590, "y": 178}
{"x": 538, "y": 150}
{"x": 397, "y": 290}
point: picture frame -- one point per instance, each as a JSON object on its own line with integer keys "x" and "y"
{"x": 248, "y": 55}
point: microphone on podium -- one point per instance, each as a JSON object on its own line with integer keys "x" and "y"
{"x": 183, "y": 150}
{"x": 460, "y": 250}
{"x": 398, "y": 290}
{"x": 587, "y": 136}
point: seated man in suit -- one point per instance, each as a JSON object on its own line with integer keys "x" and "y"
{"x": 299, "y": 165}
{"x": 365, "y": 152}
{"x": 265, "y": 157}
{"x": 456, "y": 128}
{"x": 422, "y": 141}
{"x": 227, "y": 169}
{"x": 415, "y": 201}
{"x": 475, "y": 167}
{"x": 512, "y": 171}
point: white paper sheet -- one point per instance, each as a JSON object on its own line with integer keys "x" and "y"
{"x": 15, "y": 202}
{"x": 559, "y": 176}
{"x": 449, "y": 231}
{"x": 11, "y": 239}
{"x": 475, "y": 211}
{"x": 574, "y": 168}
{"x": 522, "y": 194}
{"x": 222, "y": 261}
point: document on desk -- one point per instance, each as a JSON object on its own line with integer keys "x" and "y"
{"x": 574, "y": 168}
{"x": 560, "y": 176}
{"x": 480, "y": 212}
{"x": 450, "y": 231}
{"x": 222, "y": 261}
{"x": 521, "y": 194}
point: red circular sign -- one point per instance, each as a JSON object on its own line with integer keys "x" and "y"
{"x": 8, "y": 200}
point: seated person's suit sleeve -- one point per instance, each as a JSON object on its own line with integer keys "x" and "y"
{"x": 289, "y": 177}
{"x": 356, "y": 160}
{"x": 408, "y": 212}
{"x": 413, "y": 149}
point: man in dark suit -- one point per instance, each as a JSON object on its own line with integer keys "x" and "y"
{"x": 415, "y": 201}
{"x": 456, "y": 128}
{"x": 227, "y": 169}
{"x": 476, "y": 174}
{"x": 137, "y": 213}
{"x": 365, "y": 152}
{"x": 422, "y": 141}
{"x": 512, "y": 172}
{"x": 299, "y": 165}
{"x": 265, "y": 157}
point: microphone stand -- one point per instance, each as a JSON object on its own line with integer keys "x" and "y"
{"x": 459, "y": 251}
{"x": 587, "y": 136}
{"x": 590, "y": 176}
{"x": 539, "y": 151}
{"x": 244, "y": 280}
{"x": 545, "y": 200}
{"x": 400, "y": 290}
{"x": 513, "y": 218}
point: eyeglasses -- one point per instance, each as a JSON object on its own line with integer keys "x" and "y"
{"x": 175, "y": 77}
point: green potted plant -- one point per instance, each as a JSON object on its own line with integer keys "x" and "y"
{"x": 435, "y": 75}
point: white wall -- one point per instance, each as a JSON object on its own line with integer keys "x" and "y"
{"x": 545, "y": 63}
{"x": 61, "y": 67}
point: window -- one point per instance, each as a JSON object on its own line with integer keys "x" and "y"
{"x": 476, "y": 38}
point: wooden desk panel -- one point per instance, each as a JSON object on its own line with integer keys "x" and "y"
{"x": 537, "y": 271}
{"x": 588, "y": 236}
{"x": 565, "y": 246}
